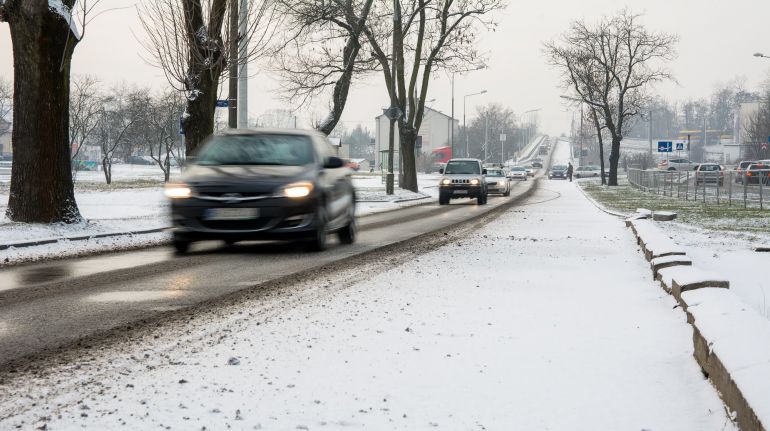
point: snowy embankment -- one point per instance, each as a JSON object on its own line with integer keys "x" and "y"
{"x": 121, "y": 209}
{"x": 731, "y": 339}
{"x": 545, "y": 318}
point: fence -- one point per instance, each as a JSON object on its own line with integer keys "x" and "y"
{"x": 733, "y": 188}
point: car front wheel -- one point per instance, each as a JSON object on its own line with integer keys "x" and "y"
{"x": 319, "y": 239}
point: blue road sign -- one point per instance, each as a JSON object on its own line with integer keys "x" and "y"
{"x": 665, "y": 146}
{"x": 680, "y": 146}
{"x": 223, "y": 103}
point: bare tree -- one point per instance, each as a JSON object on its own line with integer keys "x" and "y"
{"x": 119, "y": 112}
{"x": 162, "y": 129}
{"x": 758, "y": 132}
{"x": 189, "y": 41}
{"x": 322, "y": 49}
{"x": 85, "y": 109}
{"x": 611, "y": 66}
{"x": 44, "y": 34}
{"x": 427, "y": 36}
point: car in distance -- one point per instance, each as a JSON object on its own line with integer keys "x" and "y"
{"x": 709, "y": 173}
{"x": 497, "y": 182}
{"x": 537, "y": 163}
{"x": 530, "y": 170}
{"x": 558, "y": 171}
{"x": 518, "y": 173}
{"x": 463, "y": 178}
{"x": 758, "y": 173}
{"x": 264, "y": 185}
{"x": 740, "y": 170}
{"x": 677, "y": 165}
{"x": 589, "y": 171}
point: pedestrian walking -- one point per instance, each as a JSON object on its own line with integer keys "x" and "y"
{"x": 569, "y": 171}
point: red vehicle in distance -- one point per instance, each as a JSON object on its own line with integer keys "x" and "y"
{"x": 439, "y": 157}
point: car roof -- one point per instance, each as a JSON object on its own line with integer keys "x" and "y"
{"x": 464, "y": 160}
{"x": 269, "y": 131}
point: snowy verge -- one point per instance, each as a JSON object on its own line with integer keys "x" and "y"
{"x": 732, "y": 345}
{"x": 731, "y": 340}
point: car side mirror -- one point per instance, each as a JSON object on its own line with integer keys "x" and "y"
{"x": 441, "y": 171}
{"x": 483, "y": 172}
{"x": 333, "y": 163}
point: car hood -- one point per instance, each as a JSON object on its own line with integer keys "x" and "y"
{"x": 245, "y": 178}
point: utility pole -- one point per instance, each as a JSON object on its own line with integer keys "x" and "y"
{"x": 452, "y": 126}
{"x": 486, "y": 136}
{"x": 243, "y": 73}
{"x": 393, "y": 113}
{"x": 232, "y": 106}
{"x": 649, "y": 132}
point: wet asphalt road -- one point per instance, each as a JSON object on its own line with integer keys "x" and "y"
{"x": 47, "y": 305}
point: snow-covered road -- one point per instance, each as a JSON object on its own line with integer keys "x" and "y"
{"x": 546, "y": 318}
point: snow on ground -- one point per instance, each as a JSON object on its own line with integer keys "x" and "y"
{"x": 731, "y": 255}
{"x": 546, "y": 318}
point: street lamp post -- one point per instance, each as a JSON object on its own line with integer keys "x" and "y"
{"x": 393, "y": 112}
{"x": 465, "y": 127}
{"x": 452, "y": 133}
{"x": 526, "y": 131}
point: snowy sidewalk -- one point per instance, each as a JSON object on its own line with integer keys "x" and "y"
{"x": 547, "y": 318}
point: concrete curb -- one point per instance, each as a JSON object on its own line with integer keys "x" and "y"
{"x": 684, "y": 279}
{"x": 24, "y": 244}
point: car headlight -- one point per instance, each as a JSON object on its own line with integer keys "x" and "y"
{"x": 297, "y": 190}
{"x": 178, "y": 191}
{"x": 501, "y": 183}
{"x": 446, "y": 181}
{"x": 475, "y": 182}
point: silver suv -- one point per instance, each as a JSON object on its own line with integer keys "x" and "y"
{"x": 463, "y": 178}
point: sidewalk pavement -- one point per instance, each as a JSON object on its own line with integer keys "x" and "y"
{"x": 546, "y": 318}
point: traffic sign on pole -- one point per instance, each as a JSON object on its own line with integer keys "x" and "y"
{"x": 665, "y": 146}
{"x": 223, "y": 103}
{"x": 680, "y": 146}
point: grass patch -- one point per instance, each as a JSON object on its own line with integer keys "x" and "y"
{"x": 626, "y": 199}
{"x": 144, "y": 183}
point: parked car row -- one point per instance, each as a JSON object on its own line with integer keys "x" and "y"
{"x": 753, "y": 172}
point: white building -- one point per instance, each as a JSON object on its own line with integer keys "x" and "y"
{"x": 435, "y": 132}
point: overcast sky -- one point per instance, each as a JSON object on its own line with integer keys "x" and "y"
{"x": 718, "y": 39}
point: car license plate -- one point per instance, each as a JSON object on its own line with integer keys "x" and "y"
{"x": 231, "y": 213}
{"x": 461, "y": 192}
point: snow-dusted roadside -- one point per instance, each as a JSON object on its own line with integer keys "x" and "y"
{"x": 546, "y": 318}
{"x": 732, "y": 254}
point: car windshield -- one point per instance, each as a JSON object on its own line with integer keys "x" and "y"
{"x": 518, "y": 169}
{"x": 709, "y": 167}
{"x": 257, "y": 149}
{"x": 494, "y": 173}
{"x": 744, "y": 165}
{"x": 559, "y": 168}
{"x": 462, "y": 167}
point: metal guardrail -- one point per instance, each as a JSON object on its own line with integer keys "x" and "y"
{"x": 724, "y": 187}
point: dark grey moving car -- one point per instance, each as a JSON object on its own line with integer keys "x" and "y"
{"x": 264, "y": 185}
{"x": 557, "y": 171}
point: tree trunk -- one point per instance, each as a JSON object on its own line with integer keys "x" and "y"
{"x": 107, "y": 168}
{"x": 614, "y": 158}
{"x": 408, "y": 175}
{"x": 41, "y": 178}
{"x": 601, "y": 144}
{"x": 199, "y": 123}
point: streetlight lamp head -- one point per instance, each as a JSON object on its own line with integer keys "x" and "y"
{"x": 483, "y": 91}
{"x": 758, "y": 54}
